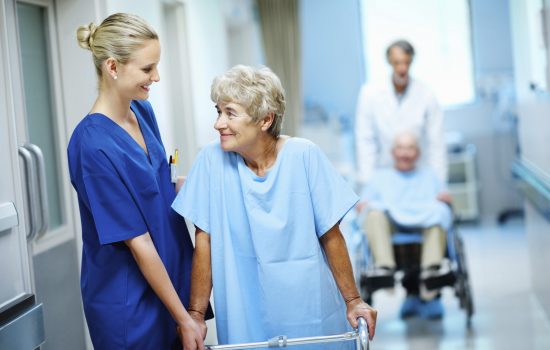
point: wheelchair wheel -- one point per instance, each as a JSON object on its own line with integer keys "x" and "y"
{"x": 462, "y": 287}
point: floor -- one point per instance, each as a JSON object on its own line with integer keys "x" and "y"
{"x": 507, "y": 314}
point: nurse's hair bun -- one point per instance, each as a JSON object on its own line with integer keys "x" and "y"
{"x": 119, "y": 36}
{"x": 85, "y": 36}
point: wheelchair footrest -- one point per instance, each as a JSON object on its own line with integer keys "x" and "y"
{"x": 440, "y": 281}
{"x": 375, "y": 282}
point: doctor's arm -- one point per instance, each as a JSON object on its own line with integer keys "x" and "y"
{"x": 334, "y": 245}
{"x": 437, "y": 149}
{"x": 152, "y": 267}
{"x": 201, "y": 278}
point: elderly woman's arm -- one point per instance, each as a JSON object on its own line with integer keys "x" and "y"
{"x": 335, "y": 248}
{"x": 201, "y": 279}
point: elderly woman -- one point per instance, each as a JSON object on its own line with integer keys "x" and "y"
{"x": 267, "y": 208}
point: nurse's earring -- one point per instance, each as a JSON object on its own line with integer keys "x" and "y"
{"x": 110, "y": 66}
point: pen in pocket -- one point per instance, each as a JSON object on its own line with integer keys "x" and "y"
{"x": 173, "y": 167}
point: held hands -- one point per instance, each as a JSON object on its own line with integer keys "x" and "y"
{"x": 192, "y": 334}
{"x": 198, "y": 317}
{"x": 358, "y": 308}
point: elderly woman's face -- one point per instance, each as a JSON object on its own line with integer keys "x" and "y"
{"x": 238, "y": 132}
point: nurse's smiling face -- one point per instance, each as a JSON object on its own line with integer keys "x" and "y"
{"x": 136, "y": 76}
{"x": 238, "y": 132}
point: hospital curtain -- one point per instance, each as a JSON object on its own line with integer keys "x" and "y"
{"x": 281, "y": 42}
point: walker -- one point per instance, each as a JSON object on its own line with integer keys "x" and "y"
{"x": 359, "y": 335}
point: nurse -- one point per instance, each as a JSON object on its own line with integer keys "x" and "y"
{"x": 267, "y": 208}
{"x": 137, "y": 253}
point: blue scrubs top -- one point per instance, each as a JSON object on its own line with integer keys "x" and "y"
{"x": 270, "y": 275}
{"x": 124, "y": 193}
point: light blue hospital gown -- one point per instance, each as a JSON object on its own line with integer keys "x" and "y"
{"x": 409, "y": 197}
{"x": 270, "y": 275}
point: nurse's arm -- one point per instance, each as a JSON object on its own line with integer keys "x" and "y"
{"x": 334, "y": 245}
{"x": 150, "y": 264}
{"x": 201, "y": 278}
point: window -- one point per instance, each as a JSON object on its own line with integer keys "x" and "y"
{"x": 440, "y": 33}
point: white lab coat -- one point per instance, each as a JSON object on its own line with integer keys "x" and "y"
{"x": 381, "y": 115}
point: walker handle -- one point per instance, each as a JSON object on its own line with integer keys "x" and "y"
{"x": 362, "y": 334}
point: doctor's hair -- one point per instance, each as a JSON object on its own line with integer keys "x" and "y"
{"x": 403, "y": 45}
{"x": 118, "y": 36}
{"x": 258, "y": 90}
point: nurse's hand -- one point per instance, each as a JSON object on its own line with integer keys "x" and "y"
{"x": 191, "y": 335}
{"x": 199, "y": 319}
{"x": 358, "y": 308}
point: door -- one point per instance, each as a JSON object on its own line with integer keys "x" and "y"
{"x": 39, "y": 126}
{"x": 21, "y": 318}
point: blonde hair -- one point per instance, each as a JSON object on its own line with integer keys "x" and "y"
{"x": 118, "y": 36}
{"x": 258, "y": 90}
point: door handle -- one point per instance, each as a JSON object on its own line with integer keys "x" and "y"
{"x": 42, "y": 189}
{"x": 32, "y": 200}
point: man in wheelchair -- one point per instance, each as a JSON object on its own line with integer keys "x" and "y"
{"x": 407, "y": 198}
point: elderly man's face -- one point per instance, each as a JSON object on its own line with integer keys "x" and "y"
{"x": 400, "y": 62}
{"x": 405, "y": 152}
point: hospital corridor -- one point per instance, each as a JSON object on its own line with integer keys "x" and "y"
{"x": 254, "y": 174}
{"x": 507, "y": 312}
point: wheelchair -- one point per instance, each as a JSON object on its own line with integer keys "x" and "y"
{"x": 407, "y": 250}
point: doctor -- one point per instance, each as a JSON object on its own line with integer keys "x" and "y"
{"x": 137, "y": 253}
{"x": 401, "y": 103}
{"x": 267, "y": 209}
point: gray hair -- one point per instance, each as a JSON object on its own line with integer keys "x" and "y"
{"x": 258, "y": 90}
{"x": 403, "y": 45}
{"x": 406, "y": 134}
{"x": 118, "y": 36}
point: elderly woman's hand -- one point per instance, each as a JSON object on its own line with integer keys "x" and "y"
{"x": 358, "y": 308}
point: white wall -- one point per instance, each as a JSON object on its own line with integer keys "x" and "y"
{"x": 78, "y": 77}
{"x": 533, "y": 106}
{"x": 209, "y": 58}
{"x": 244, "y": 35}
{"x": 534, "y": 127}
